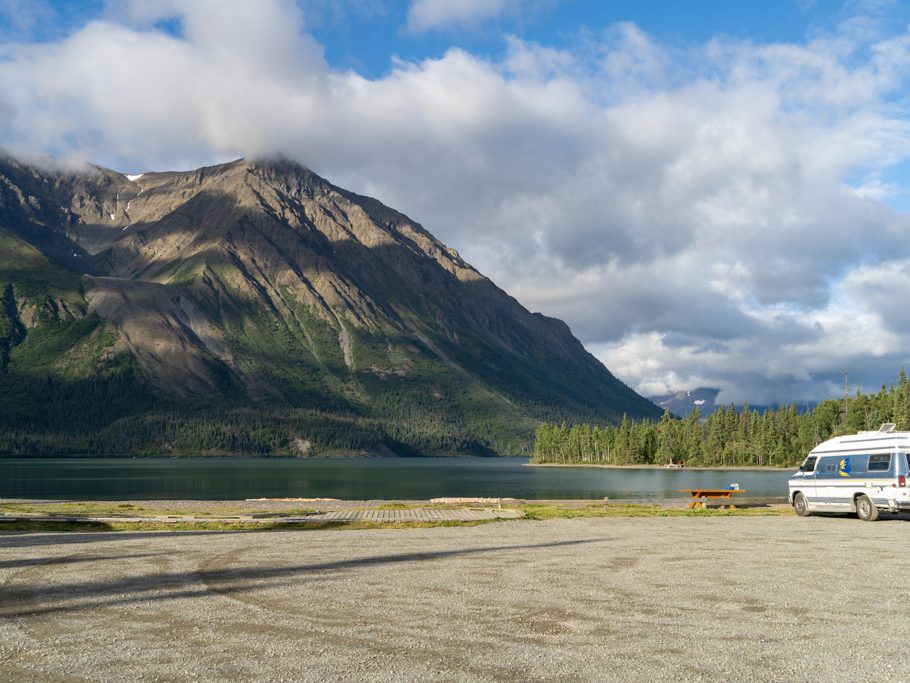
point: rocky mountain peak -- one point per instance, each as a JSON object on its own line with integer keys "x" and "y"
{"x": 259, "y": 283}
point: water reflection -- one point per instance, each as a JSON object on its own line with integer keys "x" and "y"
{"x": 353, "y": 478}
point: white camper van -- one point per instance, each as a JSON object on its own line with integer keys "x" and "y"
{"x": 863, "y": 473}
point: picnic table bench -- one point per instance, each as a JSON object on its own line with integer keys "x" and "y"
{"x": 699, "y": 496}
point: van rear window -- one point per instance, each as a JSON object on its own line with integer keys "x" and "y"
{"x": 880, "y": 463}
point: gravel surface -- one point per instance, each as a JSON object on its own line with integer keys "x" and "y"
{"x": 723, "y": 598}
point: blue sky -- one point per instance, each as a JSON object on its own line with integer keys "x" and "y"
{"x": 709, "y": 193}
{"x": 366, "y": 40}
{"x": 365, "y": 35}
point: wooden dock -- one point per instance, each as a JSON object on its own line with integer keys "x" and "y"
{"x": 410, "y": 515}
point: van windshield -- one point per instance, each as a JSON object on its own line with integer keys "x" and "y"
{"x": 809, "y": 465}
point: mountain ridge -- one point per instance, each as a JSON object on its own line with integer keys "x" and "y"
{"x": 683, "y": 403}
{"x": 257, "y": 286}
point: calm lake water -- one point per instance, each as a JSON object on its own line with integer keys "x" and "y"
{"x": 353, "y": 479}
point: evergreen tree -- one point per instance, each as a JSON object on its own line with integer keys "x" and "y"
{"x": 901, "y": 410}
{"x": 666, "y": 439}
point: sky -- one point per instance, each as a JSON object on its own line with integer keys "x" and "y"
{"x": 711, "y": 194}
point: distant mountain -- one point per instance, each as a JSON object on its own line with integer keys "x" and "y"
{"x": 682, "y": 403}
{"x": 255, "y": 307}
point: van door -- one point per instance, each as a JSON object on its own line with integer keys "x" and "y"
{"x": 807, "y": 476}
{"x": 835, "y": 482}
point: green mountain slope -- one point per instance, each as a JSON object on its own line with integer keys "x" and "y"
{"x": 254, "y": 307}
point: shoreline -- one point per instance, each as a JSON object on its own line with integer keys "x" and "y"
{"x": 738, "y": 468}
{"x": 25, "y": 515}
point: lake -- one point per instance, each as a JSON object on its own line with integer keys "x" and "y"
{"x": 354, "y": 479}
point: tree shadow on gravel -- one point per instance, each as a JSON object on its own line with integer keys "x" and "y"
{"x": 33, "y": 539}
{"x": 72, "y": 559}
{"x": 39, "y": 599}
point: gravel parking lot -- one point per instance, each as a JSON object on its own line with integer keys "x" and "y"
{"x": 734, "y": 598}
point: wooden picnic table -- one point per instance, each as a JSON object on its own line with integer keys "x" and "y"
{"x": 699, "y": 496}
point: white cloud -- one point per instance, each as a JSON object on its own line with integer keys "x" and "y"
{"x": 428, "y": 15}
{"x": 711, "y": 215}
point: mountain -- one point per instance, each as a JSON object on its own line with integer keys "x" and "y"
{"x": 682, "y": 403}
{"x": 254, "y": 307}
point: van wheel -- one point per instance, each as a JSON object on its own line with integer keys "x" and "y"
{"x": 800, "y": 506}
{"x": 865, "y": 510}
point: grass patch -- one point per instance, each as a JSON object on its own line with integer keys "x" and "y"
{"x": 221, "y": 526}
{"x": 98, "y": 509}
{"x": 549, "y": 511}
{"x": 70, "y": 509}
{"x": 114, "y": 509}
{"x": 48, "y": 527}
{"x": 94, "y": 527}
{"x": 271, "y": 520}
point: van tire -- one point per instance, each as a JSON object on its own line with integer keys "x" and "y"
{"x": 865, "y": 509}
{"x": 800, "y": 506}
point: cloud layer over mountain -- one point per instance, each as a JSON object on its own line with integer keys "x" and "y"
{"x": 727, "y": 214}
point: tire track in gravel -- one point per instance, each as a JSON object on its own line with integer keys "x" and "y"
{"x": 30, "y": 575}
{"x": 433, "y": 650}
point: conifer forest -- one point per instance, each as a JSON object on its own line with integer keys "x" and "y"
{"x": 728, "y": 437}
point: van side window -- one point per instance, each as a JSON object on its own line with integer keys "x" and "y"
{"x": 809, "y": 465}
{"x": 880, "y": 463}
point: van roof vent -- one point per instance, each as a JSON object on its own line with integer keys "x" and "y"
{"x": 887, "y": 428}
